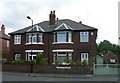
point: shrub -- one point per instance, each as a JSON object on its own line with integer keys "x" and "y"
{"x": 22, "y": 62}
{"x": 84, "y": 63}
{"x": 40, "y": 59}
{"x": 77, "y": 63}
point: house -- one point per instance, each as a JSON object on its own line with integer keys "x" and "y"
{"x": 4, "y": 44}
{"x": 58, "y": 40}
{"x": 110, "y": 58}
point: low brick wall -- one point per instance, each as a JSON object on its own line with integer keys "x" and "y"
{"x": 47, "y": 69}
{"x": 16, "y": 68}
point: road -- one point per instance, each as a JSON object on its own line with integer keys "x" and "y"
{"x": 10, "y": 76}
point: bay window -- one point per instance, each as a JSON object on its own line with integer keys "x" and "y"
{"x": 62, "y": 37}
{"x": 34, "y": 38}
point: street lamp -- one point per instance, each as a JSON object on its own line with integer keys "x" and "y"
{"x": 31, "y": 43}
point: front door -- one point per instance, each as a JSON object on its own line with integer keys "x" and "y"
{"x": 84, "y": 56}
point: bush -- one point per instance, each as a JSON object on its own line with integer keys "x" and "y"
{"x": 77, "y": 63}
{"x": 22, "y": 62}
{"x": 40, "y": 59}
{"x": 84, "y": 63}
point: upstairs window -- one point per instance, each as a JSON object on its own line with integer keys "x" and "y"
{"x": 17, "y": 39}
{"x": 33, "y": 38}
{"x": 62, "y": 37}
{"x": 84, "y": 36}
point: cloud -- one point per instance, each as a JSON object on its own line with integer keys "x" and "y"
{"x": 101, "y": 14}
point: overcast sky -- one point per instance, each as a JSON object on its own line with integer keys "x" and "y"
{"x": 101, "y": 14}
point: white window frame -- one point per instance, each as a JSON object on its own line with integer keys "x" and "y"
{"x": 35, "y": 36}
{"x": 112, "y": 60}
{"x": 8, "y": 43}
{"x": 84, "y": 56}
{"x": 69, "y": 36}
{"x": 84, "y": 34}
{"x": 17, "y": 39}
{"x": 40, "y": 36}
{"x": 17, "y": 56}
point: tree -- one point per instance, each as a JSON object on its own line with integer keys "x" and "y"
{"x": 106, "y": 46}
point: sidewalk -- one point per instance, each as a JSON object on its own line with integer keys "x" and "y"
{"x": 60, "y": 75}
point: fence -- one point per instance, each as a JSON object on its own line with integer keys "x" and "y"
{"x": 106, "y": 69}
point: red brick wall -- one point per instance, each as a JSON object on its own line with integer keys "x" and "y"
{"x": 46, "y": 69}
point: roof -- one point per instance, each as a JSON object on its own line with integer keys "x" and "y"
{"x": 110, "y": 54}
{"x": 4, "y": 36}
{"x": 64, "y": 24}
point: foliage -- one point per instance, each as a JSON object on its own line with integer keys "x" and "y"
{"x": 106, "y": 46}
{"x": 22, "y": 62}
{"x": 40, "y": 59}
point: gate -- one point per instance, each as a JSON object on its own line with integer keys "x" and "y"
{"x": 106, "y": 69}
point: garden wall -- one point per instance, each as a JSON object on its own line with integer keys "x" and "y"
{"x": 46, "y": 69}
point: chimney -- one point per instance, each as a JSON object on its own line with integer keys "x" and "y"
{"x": 3, "y": 28}
{"x": 80, "y": 22}
{"x": 52, "y": 17}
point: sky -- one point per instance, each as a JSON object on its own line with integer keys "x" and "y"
{"x": 101, "y": 14}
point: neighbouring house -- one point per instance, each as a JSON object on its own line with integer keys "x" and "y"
{"x": 58, "y": 40}
{"x": 4, "y": 44}
{"x": 110, "y": 58}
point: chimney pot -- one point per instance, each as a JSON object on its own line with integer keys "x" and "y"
{"x": 80, "y": 22}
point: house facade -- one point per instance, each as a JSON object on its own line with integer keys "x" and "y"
{"x": 4, "y": 44}
{"x": 58, "y": 40}
{"x": 110, "y": 58}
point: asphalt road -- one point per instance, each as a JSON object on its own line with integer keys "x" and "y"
{"x": 10, "y": 76}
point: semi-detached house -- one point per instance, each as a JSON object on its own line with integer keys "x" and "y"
{"x": 58, "y": 40}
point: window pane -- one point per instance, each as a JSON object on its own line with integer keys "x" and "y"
{"x": 34, "y": 38}
{"x": 39, "y": 38}
{"x": 84, "y": 37}
{"x": 17, "y": 39}
{"x": 62, "y": 37}
{"x": 70, "y": 56}
{"x": 17, "y": 56}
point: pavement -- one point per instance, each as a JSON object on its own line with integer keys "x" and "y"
{"x": 15, "y": 76}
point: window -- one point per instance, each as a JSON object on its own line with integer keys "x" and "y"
{"x": 62, "y": 57}
{"x": 17, "y": 39}
{"x": 61, "y": 37}
{"x": 84, "y": 36}
{"x": 112, "y": 60}
{"x": 39, "y": 38}
{"x": 17, "y": 56}
{"x": 84, "y": 56}
{"x": 7, "y": 43}
{"x": 36, "y": 38}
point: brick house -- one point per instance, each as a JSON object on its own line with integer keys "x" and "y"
{"x": 4, "y": 44}
{"x": 58, "y": 40}
{"x": 110, "y": 58}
